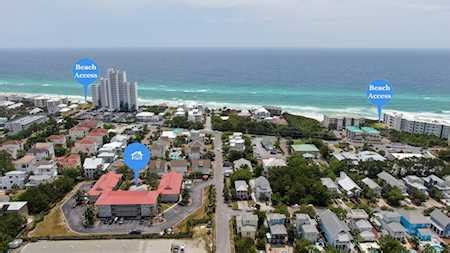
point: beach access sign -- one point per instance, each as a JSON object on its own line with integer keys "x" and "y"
{"x": 85, "y": 71}
{"x": 379, "y": 94}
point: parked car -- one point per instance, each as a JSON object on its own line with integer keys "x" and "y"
{"x": 135, "y": 232}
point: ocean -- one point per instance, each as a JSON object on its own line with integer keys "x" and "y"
{"x": 305, "y": 81}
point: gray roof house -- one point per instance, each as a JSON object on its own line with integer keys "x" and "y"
{"x": 278, "y": 232}
{"x": 261, "y": 188}
{"x": 306, "y": 227}
{"x": 440, "y": 223}
{"x": 392, "y": 181}
{"x": 336, "y": 232}
{"x": 241, "y": 188}
{"x": 246, "y": 225}
{"x": 348, "y": 186}
{"x": 390, "y": 223}
{"x": 330, "y": 184}
{"x": 369, "y": 183}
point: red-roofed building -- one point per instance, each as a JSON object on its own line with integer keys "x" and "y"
{"x": 86, "y": 145}
{"x": 105, "y": 183}
{"x": 57, "y": 139}
{"x": 78, "y": 132}
{"x": 98, "y": 134}
{"x": 132, "y": 204}
{"x": 69, "y": 162}
{"x": 89, "y": 123}
{"x": 170, "y": 187}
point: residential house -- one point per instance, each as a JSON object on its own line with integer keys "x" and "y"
{"x": 348, "y": 186}
{"x": 26, "y": 163}
{"x": 86, "y": 145}
{"x": 440, "y": 223}
{"x": 237, "y": 143}
{"x": 241, "y": 188}
{"x": 159, "y": 149}
{"x": 306, "y": 227}
{"x": 19, "y": 207}
{"x": 392, "y": 181}
{"x": 195, "y": 150}
{"x": 242, "y": 163}
{"x": 158, "y": 166}
{"x": 247, "y": 225}
{"x": 277, "y": 229}
{"x": 180, "y": 166}
{"x": 13, "y": 179}
{"x": 12, "y": 147}
{"x": 336, "y": 232}
{"x": 330, "y": 185}
{"x": 97, "y": 135}
{"x": 262, "y": 190}
{"x": 78, "y": 132}
{"x": 122, "y": 138}
{"x": 390, "y": 223}
{"x": 261, "y": 114}
{"x": 438, "y": 183}
{"x": 201, "y": 166}
{"x": 306, "y": 150}
{"x": 45, "y": 168}
{"x": 416, "y": 225}
{"x": 70, "y": 161}
{"x": 268, "y": 143}
{"x": 89, "y": 123}
{"x": 372, "y": 185}
{"x": 415, "y": 183}
{"x": 57, "y": 139}
{"x": 93, "y": 166}
{"x": 43, "y": 151}
{"x": 358, "y": 220}
{"x": 36, "y": 180}
{"x": 132, "y": 204}
{"x": 272, "y": 163}
{"x": 108, "y": 157}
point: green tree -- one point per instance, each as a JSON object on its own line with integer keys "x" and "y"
{"x": 394, "y": 196}
{"x": 5, "y": 162}
{"x": 390, "y": 245}
{"x": 242, "y": 174}
{"x": 302, "y": 246}
{"x": 89, "y": 215}
{"x": 244, "y": 245}
{"x": 418, "y": 197}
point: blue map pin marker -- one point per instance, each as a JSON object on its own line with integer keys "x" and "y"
{"x": 379, "y": 94}
{"x": 85, "y": 71}
{"x": 136, "y": 157}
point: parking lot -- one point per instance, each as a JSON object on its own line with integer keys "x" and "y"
{"x": 112, "y": 246}
{"x": 172, "y": 217}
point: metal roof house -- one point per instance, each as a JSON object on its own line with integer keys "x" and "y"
{"x": 336, "y": 232}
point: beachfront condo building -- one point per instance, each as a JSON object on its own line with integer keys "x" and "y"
{"x": 115, "y": 92}
{"x": 435, "y": 127}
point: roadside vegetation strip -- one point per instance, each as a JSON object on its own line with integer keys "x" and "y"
{"x": 187, "y": 235}
{"x": 199, "y": 216}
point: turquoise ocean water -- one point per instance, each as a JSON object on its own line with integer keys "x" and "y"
{"x": 300, "y": 80}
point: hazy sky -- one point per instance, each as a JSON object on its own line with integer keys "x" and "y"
{"x": 225, "y": 23}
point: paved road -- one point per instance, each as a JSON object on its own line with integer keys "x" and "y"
{"x": 173, "y": 216}
{"x": 223, "y": 212}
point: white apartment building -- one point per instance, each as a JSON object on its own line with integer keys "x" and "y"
{"x": 115, "y": 92}
{"x": 399, "y": 122}
{"x": 13, "y": 178}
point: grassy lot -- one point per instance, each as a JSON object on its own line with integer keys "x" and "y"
{"x": 199, "y": 214}
{"x": 53, "y": 224}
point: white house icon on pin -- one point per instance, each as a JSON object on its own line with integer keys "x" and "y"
{"x": 137, "y": 156}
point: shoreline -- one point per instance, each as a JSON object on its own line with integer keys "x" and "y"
{"x": 316, "y": 113}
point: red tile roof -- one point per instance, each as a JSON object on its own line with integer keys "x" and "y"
{"x": 128, "y": 198}
{"x": 56, "y": 138}
{"x": 86, "y": 141}
{"x": 90, "y": 123}
{"x": 71, "y": 161}
{"x": 170, "y": 183}
{"x": 14, "y": 142}
{"x": 79, "y": 128}
{"x": 105, "y": 183}
{"x": 98, "y": 132}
